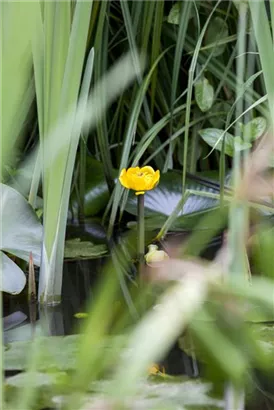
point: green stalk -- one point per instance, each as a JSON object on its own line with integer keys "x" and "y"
{"x": 141, "y": 231}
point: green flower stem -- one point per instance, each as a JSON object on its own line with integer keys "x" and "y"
{"x": 141, "y": 230}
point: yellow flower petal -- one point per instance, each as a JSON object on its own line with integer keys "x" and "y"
{"x": 124, "y": 179}
{"x": 139, "y": 179}
{"x": 147, "y": 170}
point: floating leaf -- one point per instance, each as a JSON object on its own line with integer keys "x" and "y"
{"x": 217, "y": 31}
{"x": 204, "y": 94}
{"x": 45, "y": 385}
{"x": 163, "y": 199}
{"x": 58, "y": 352}
{"x": 75, "y": 249}
{"x": 161, "y": 392}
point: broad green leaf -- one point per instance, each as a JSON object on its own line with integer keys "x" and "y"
{"x": 13, "y": 279}
{"x": 254, "y": 129}
{"x": 213, "y": 136}
{"x": 97, "y": 193}
{"x": 21, "y": 229}
{"x": 241, "y": 145}
{"x": 204, "y": 94}
{"x": 76, "y": 249}
{"x": 217, "y": 31}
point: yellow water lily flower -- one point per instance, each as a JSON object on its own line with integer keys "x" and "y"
{"x": 139, "y": 179}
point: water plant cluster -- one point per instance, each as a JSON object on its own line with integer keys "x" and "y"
{"x": 147, "y": 128}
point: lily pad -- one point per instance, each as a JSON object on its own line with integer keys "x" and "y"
{"x": 47, "y": 384}
{"x": 167, "y": 392}
{"x": 56, "y": 352}
{"x": 164, "y": 198}
{"x": 75, "y": 249}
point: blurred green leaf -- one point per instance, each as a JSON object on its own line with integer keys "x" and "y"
{"x": 174, "y": 14}
{"x": 263, "y": 246}
{"x": 240, "y": 145}
{"x": 254, "y": 129}
{"x": 204, "y": 94}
